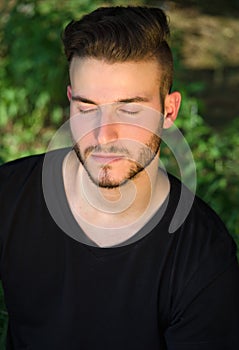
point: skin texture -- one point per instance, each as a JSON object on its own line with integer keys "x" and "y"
{"x": 116, "y": 120}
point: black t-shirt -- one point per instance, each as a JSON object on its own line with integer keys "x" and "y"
{"x": 177, "y": 291}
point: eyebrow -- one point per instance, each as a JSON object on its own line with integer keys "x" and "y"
{"x": 125, "y": 100}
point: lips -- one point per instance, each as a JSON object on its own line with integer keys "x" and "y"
{"x": 106, "y": 158}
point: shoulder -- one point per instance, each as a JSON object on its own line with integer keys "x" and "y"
{"x": 193, "y": 212}
{"x": 17, "y": 171}
{"x": 206, "y": 222}
{"x": 202, "y": 239}
{"x": 22, "y": 168}
{"x": 26, "y": 172}
{"x": 26, "y": 164}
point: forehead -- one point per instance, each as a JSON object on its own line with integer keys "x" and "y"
{"x": 96, "y": 79}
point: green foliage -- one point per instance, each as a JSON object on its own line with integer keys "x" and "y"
{"x": 32, "y": 72}
{"x": 216, "y": 154}
{"x": 33, "y": 79}
{"x": 216, "y": 157}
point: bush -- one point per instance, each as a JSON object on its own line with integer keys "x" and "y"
{"x": 216, "y": 156}
{"x": 33, "y": 76}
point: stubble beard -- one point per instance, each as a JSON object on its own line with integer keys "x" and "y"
{"x": 146, "y": 155}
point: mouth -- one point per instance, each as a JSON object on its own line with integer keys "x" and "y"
{"x": 106, "y": 158}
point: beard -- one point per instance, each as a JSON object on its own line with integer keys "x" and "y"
{"x": 146, "y": 154}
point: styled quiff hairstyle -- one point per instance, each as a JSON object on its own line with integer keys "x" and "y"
{"x": 120, "y": 34}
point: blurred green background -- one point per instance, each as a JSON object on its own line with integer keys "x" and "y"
{"x": 34, "y": 75}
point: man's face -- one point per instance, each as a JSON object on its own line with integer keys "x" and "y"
{"x": 115, "y": 117}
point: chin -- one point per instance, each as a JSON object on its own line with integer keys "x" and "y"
{"x": 110, "y": 180}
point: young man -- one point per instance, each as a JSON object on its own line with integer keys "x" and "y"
{"x": 87, "y": 260}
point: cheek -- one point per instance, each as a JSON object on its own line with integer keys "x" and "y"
{"x": 85, "y": 142}
{"x": 137, "y": 135}
{"x": 82, "y": 131}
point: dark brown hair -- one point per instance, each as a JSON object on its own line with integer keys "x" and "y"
{"x": 119, "y": 34}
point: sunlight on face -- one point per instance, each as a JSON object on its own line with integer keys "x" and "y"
{"x": 116, "y": 118}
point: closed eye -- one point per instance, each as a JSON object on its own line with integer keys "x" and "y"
{"x": 87, "y": 111}
{"x": 130, "y": 109}
{"x": 129, "y": 112}
{"x": 86, "y": 108}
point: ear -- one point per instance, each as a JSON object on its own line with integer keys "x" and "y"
{"x": 171, "y": 107}
{"x": 69, "y": 92}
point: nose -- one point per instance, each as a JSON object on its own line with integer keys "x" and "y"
{"x": 106, "y": 130}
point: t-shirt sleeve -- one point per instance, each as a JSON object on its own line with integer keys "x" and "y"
{"x": 205, "y": 313}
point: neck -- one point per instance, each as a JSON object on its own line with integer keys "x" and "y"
{"x": 109, "y": 216}
{"x": 133, "y": 196}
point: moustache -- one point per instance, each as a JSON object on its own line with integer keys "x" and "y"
{"x": 105, "y": 150}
